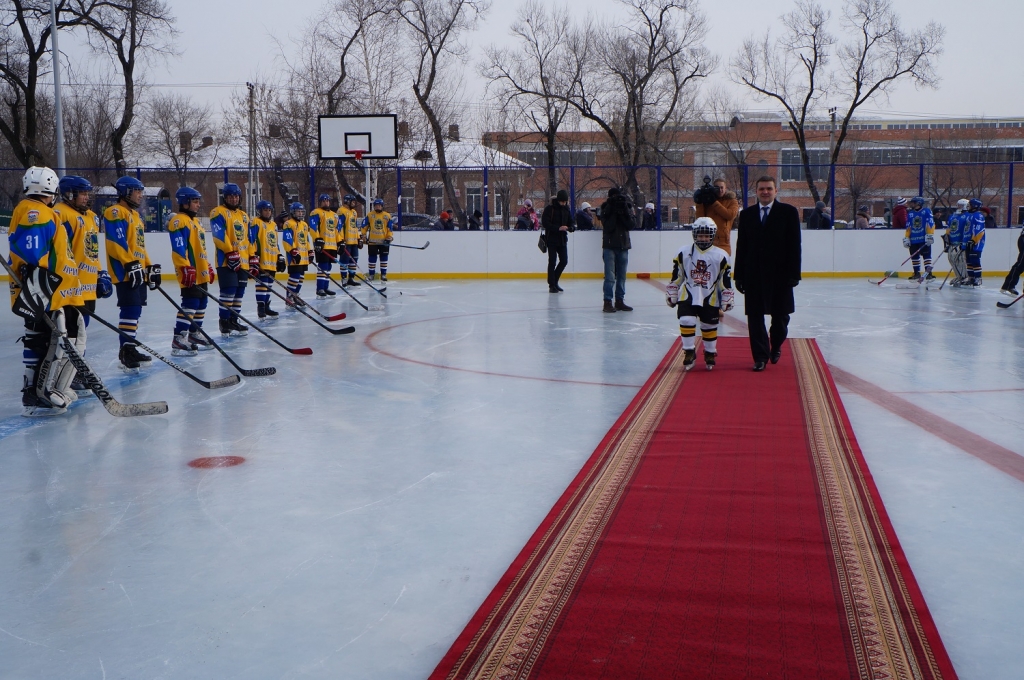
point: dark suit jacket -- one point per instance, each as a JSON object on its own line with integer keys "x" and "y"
{"x": 768, "y": 258}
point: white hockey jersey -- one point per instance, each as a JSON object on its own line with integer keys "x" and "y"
{"x": 701, "y": 275}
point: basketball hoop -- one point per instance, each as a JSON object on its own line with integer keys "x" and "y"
{"x": 358, "y": 153}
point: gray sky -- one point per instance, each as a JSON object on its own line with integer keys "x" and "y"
{"x": 226, "y": 42}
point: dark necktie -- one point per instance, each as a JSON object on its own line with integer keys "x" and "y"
{"x": 764, "y": 213}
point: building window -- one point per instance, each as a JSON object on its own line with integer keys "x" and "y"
{"x": 474, "y": 199}
{"x": 409, "y": 198}
{"x": 793, "y": 168}
{"x": 500, "y": 196}
{"x": 435, "y": 200}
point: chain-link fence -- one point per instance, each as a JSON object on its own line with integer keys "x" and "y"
{"x": 493, "y": 197}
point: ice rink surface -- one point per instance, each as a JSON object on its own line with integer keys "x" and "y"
{"x": 390, "y": 478}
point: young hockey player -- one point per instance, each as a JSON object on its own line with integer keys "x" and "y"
{"x": 377, "y": 235}
{"x": 83, "y": 229}
{"x": 954, "y": 242}
{"x": 701, "y": 288}
{"x": 295, "y": 241}
{"x": 130, "y": 267}
{"x": 323, "y": 227}
{"x": 974, "y": 241}
{"x": 351, "y": 237}
{"x": 41, "y": 257}
{"x": 263, "y": 238}
{"x": 230, "y": 227}
{"x": 194, "y": 271}
{"x": 918, "y": 237}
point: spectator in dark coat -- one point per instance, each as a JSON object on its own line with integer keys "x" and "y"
{"x": 447, "y": 223}
{"x": 767, "y": 269}
{"x": 584, "y": 218}
{"x": 650, "y": 220}
{"x": 819, "y": 219}
{"x": 617, "y": 217}
{"x": 557, "y": 222}
{"x": 474, "y": 221}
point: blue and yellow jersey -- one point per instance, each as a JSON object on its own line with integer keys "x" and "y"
{"x": 37, "y": 239}
{"x": 295, "y": 236}
{"x": 126, "y": 239}
{"x": 348, "y": 226}
{"x": 324, "y": 224}
{"x": 955, "y": 228}
{"x": 230, "y": 233}
{"x": 920, "y": 223}
{"x": 188, "y": 246}
{"x": 377, "y": 227}
{"x": 974, "y": 230}
{"x": 263, "y": 238}
{"x": 84, "y": 236}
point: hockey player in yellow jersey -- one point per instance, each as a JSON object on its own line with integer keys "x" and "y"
{"x": 230, "y": 227}
{"x": 263, "y": 238}
{"x": 83, "y": 229}
{"x": 377, "y": 235}
{"x": 296, "y": 242}
{"x": 194, "y": 271}
{"x": 323, "y": 227}
{"x": 41, "y": 257}
{"x": 130, "y": 267}
{"x": 701, "y": 288}
{"x": 351, "y": 240}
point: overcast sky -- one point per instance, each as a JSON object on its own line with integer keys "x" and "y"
{"x": 226, "y": 42}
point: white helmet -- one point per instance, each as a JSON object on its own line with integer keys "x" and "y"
{"x": 649, "y": 206}
{"x": 585, "y": 206}
{"x": 704, "y": 230}
{"x": 39, "y": 181}
{"x": 962, "y": 205}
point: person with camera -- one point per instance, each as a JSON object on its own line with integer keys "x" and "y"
{"x": 720, "y": 204}
{"x": 617, "y": 219}
{"x": 557, "y": 221}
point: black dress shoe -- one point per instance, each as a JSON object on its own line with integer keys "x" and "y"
{"x": 759, "y": 366}
{"x": 776, "y": 356}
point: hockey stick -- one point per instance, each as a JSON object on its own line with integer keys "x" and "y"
{"x": 359, "y": 274}
{"x": 91, "y": 380}
{"x": 422, "y": 247}
{"x": 296, "y": 298}
{"x": 292, "y": 350}
{"x": 248, "y": 373}
{"x": 333, "y": 331}
{"x": 893, "y": 272}
{"x": 210, "y": 385}
{"x": 1011, "y": 303}
{"x": 375, "y": 308}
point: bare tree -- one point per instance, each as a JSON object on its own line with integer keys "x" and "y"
{"x": 435, "y": 28}
{"x": 538, "y": 63}
{"x": 88, "y": 118}
{"x": 25, "y": 47}
{"x": 798, "y": 71}
{"x": 173, "y": 127}
{"x": 131, "y": 33}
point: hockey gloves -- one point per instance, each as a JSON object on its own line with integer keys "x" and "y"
{"x": 281, "y": 264}
{"x": 133, "y": 274}
{"x": 318, "y": 245}
{"x": 906, "y": 242}
{"x": 727, "y": 299}
{"x": 929, "y": 239}
{"x": 211, "y": 272}
{"x": 671, "y": 294}
{"x": 187, "y": 277}
{"x": 37, "y": 288}
{"x": 254, "y": 266}
{"x": 153, "y": 276}
{"x": 294, "y": 252}
{"x": 104, "y": 286}
{"x": 233, "y": 261}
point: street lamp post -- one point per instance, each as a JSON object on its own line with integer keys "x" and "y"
{"x": 58, "y": 115}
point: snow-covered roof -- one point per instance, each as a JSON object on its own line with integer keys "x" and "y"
{"x": 470, "y": 155}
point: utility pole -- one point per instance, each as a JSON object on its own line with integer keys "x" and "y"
{"x": 252, "y": 189}
{"x": 58, "y": 115}
{"x": 832, "y": 162}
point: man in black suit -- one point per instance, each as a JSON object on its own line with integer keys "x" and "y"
{"x": 767, "y": 269}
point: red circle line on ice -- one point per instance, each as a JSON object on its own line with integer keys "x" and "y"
{"x": 216, "y": 462}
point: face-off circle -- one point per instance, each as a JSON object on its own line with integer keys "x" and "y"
{"x": 216, "y": 462}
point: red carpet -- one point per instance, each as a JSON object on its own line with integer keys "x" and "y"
{"x": 726, "y": 527}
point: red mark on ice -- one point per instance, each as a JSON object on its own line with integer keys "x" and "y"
{"x": 216, "y": 462}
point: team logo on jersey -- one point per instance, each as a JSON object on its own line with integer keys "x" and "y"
{"x": 239, "y": 232}
{"x": 92, "y": 246}
{"x": 302, "y": 239}
{"x": 271, "y": 239}
{"x": 140, "y": 239}
{"x": 32, "y": 216}
{"x": 700, "y": 274}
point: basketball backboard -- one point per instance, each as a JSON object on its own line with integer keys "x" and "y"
{"x": 374, "y": 136}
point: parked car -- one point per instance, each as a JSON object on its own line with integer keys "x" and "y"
{"x": 418, "y": 222}
{"x": 877, "y": 223}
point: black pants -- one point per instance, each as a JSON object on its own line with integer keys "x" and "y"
{"x": 1018, "y": 267}
{"x": 561, "y": 252}
{"x": 759, "y": 335}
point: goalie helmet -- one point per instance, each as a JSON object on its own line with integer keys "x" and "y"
{"x": 962, "y": 205}
{"x": 39, "y": 181}
{"x": 704, "y": 230}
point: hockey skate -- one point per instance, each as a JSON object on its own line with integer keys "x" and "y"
{"x": 1012, "y": 292}
{"x": 225, "y": 326}
{"x": 181, "y": 346}
{"x": 81, "y": 389}
{"x": 201, "y": 343}
{"x": 130, "y": 358}
{"x": 34, "y": 406}
{"x": 916, "y": 276}
{"x": 352, "y": 281}
{"x": 321, "y": 295}
{"x": 237, "y": 327}
{"x": 271, "y": 314}
{"x": 329, "y": 293}
{"x": 929, "y": 277}
{"x": 689, "y": 359}
{"x": 709, "y": 360}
